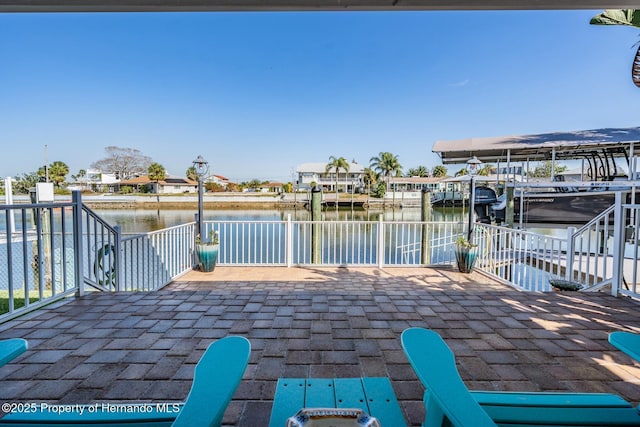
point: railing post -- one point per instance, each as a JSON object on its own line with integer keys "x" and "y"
{"x": 425, "y": 217}
{"x": 78, "y": 270}
{"x": 316, "y": 228}
{"x": 196, "y": 236}
{"x": 380, "y": 242}
{"x": 571, "y": 250}
{"x": 618, "y": 245}
{"x": 118, "y": 261}
{"x": 289, "y": 241}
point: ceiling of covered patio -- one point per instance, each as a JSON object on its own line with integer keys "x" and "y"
{"x": 285, "y": 5}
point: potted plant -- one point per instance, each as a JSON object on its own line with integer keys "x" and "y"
{"x": 208, "y": 251}
{"x": 466, "y": 255}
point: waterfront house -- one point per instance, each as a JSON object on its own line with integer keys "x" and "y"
{"x": 348, "y": 181}
{"x": 96, "y": 180}
{"x": 218, "y": 179}
{"x": 169, "y": 185}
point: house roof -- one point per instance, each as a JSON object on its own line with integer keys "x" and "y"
{"x": 535, "y": 147}
{"x": 218, "y": 177}
{"x": 138, "y": 180}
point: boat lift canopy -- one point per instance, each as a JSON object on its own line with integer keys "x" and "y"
{"x": 558, "y": 145}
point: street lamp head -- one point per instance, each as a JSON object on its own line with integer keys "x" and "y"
{"x": 201, "y": 166}
{"x": 474, "y": 165}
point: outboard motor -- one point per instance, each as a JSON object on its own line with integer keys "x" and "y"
{"x": 484, "y": 198}
{"x": 498, "y": 209}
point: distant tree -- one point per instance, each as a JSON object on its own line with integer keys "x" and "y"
{"x": 379, "y": 190}
{"x": 123, "y": 162}
{"x": 287, "y": 188}
{"x": 420, "y": 171}
{"x": 254, "y": 184}
{"x": 57, "y": 172}
{"x": 370, "y": 177}
{"x": 232, "y": 186}
{"x": 386, "y": 164}
{"x": 337, "y": 163}
{"x": 439, "y": 171}
{"x": 462, "y": 172}
{"x": 25, "y": 182}
{"x": 81, "y": 174}
{"x": 191, "y": 173}
{"x": 214, "y": 187}
{"x": 543, "y": 170}
{"x": 486, "y": 170}
{"x": 157, "y": 173}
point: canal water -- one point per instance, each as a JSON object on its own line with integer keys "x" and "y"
{"x": 145, "y": 220}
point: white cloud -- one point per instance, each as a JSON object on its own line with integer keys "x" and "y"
{"x": 459, "y": 84}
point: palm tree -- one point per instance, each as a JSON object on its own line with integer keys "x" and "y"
{"x": 369, "y": 178}
{"x": 439, "y": 171}
{"x": 386, "y": 164}
{"x": 629, "y": 17}
{"x": 420, "y": 171}
{"x": 192, "y": 174}
{"x": 157, "y": 173}
{"x": 337, "y": 163}
{"x": 487, "y": 169}
{"x": 56, "y": 171}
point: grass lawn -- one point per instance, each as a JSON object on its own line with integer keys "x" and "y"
{"x": 18, "y": 299}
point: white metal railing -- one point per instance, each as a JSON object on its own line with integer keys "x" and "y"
{"x": 49, "y": 251}
{"x": 152, "y": 260}
{"x": 525, "y": 259}
{"x": 624, "y": 249}
{"x": 334, "y": 243}
{"x": 143, "y": 262}
{"x": 589, "y": 252}
{"x": 37, "y": 256}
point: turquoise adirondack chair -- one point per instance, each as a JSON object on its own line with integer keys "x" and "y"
{"x": 446, "y": 396}
{"x": 11, "y": 348}
{"x": 216, "y": 378}
{"x": 449, "y": 402}
{"x": 628, "y": 342}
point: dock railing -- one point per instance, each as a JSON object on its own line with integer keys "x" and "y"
{"x": 334, "y": 243}
{"x": 50, "y": 251}
{"x": 526, "y": 260}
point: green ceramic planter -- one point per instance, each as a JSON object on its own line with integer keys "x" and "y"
{"x": 466, "y": 257}
{"x": 207, "y": 256}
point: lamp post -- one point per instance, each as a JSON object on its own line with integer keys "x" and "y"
{"x": 202, "y": 167}
{"x": 474, "y": 166}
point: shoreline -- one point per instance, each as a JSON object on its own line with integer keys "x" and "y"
{"x": 220, "y": 201}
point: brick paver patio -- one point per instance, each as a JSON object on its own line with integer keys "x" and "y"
{"x": 324, "y": 322}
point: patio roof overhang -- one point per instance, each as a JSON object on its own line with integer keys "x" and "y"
{"x": 300, "y": 5}
{"x": 567, "y": 145}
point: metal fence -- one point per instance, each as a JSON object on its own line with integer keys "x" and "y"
{"x": 141, "y": 262}
{"x": 334, "y": 243}
{"x": 51, "y": 250}
{"x": 526, "y": 260}
{"x": 37, "y": 256}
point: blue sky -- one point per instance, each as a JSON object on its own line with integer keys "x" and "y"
{"x": 257, "y": 94}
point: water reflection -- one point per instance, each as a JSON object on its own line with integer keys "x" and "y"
{"x": 145, "y": 220}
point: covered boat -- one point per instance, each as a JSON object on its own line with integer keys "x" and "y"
{"x": 557, "y": 201}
